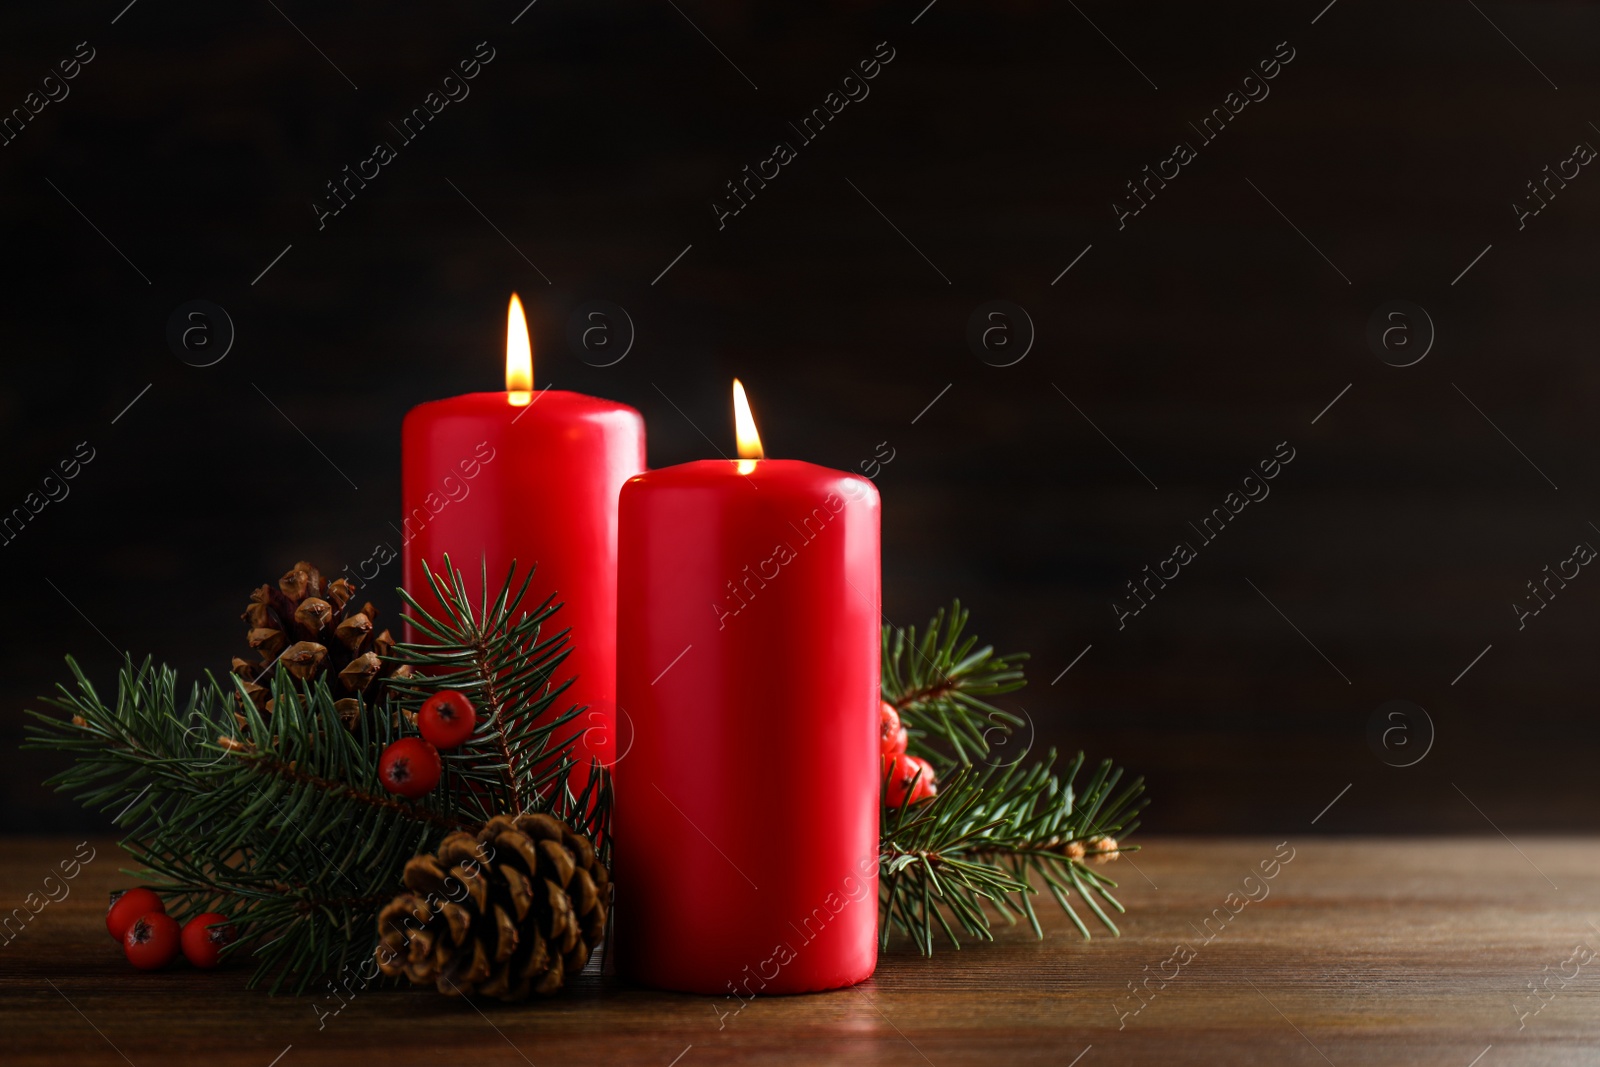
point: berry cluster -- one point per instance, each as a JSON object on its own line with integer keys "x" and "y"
{"x": 151, "y": 938}
{"x": 411, "y": 766}
{"x": 910, "y": 778}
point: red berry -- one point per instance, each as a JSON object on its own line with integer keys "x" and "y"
{"x": 126, "y": 906}
{"x": 447, "y": 719}
{"x": 151, "y": 941}
{"x": 891, "y": 734}
{"x": 910, "y": 779}
{"x": 203, "y": 941}
{"x": 410, "y": 767}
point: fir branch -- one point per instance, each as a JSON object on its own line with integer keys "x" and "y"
{"x": 273, "y": 821}
{"x": 497, "y": 655}
{"x": 994, "y": 834}
{"x": 938, "y": 684}
{"x": 988, "y": 836}
{"x": 274, "y": 767}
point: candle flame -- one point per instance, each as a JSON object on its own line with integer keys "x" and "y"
{"x": 519, "y": 355}
{"x": 744, "y": 430}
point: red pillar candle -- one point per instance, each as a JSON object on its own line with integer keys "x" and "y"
{"x": 531, "y": 477}
{"x": 746, "y": 815}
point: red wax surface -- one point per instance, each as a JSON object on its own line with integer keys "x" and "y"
{"x": 746, "y": 816}
{"x": 485, "y": 480}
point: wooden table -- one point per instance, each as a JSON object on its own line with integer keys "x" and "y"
{"x": 1359, "y": 951}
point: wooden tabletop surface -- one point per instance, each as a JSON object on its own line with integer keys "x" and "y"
{"x": 1357, "y": 951}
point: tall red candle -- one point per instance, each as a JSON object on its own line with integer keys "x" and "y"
{"x": 531, "y": 477}
{"x": 746, "y": 815}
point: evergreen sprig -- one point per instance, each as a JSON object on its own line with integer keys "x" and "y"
{"x": 995, "y": 832}
{"x": 279, "y": 821}
{"x": 942, "y": 680}
{"x": 498, "y": 655}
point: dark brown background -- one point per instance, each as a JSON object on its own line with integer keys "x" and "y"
{"x": 1197, "y": 338}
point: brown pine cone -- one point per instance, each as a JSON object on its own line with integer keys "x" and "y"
{"x": 511, "y": 910}
{"x": 312, "y": 627}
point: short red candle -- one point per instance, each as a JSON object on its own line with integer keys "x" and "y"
{"x": 530, "y": 477}
{"x": 746, "y": 815}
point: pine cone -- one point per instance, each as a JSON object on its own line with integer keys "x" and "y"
{"x": 311, "y": 627}
{"x": 514, "y": 909}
